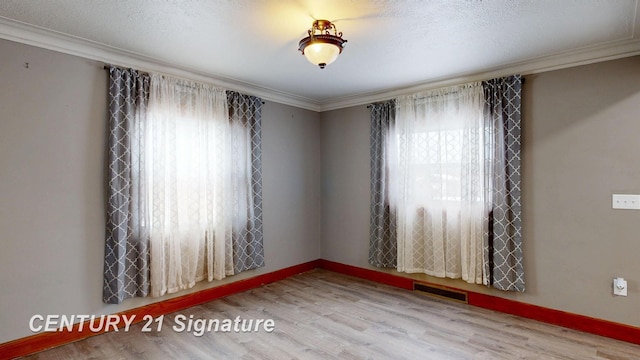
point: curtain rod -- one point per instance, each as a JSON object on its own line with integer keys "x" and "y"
{"x": 522, "y": 79}
{"x": 107, "y": 67}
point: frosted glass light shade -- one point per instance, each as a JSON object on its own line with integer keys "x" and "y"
{"x": 321, "y": 54}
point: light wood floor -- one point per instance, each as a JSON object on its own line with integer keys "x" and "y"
{"x": 324, "y": 315}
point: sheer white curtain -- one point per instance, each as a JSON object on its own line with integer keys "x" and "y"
{"x": 186, "y": 178}
{"x": 436, "y": 182}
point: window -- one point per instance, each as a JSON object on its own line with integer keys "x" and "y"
{"x": 436, "y": 182}
{"x": 184, "y": 197}
{"x": 445, "y": 183}
{"x": 438, "y": 165}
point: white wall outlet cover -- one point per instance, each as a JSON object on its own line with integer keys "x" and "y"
{"x": 625, "y": 201}
{"x": 619, "y": 287}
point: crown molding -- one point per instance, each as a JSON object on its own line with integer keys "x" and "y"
{"x": 567, "y": 59}
{"x": 64, "y": 43}
{"x": 44, "y": 38}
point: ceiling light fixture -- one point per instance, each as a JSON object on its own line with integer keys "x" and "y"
{"x": 321, "y": 47}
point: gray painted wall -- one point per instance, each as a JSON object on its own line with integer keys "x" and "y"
{"x": 52, "y": 139}
{"x": 345, "y": 185}
{"x": 581, "y": 128}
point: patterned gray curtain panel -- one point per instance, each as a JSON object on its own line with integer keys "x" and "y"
{"x": 248, "y": 250}
{"x": 383, "y": 245}
{"x": 126, "y": 263}
{"x": 503, "y": 267}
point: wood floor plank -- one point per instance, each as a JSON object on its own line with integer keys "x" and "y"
{"x": 322, "y": 315}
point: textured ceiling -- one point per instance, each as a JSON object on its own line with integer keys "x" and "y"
{"x": 392, "y": 45}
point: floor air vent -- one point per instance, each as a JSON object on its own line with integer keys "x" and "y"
{"x": 441, "y": 292}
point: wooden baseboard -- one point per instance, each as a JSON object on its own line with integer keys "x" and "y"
{"x": 568, "y": 320}
{"x": 578, "y": 322}
{"x": 47, "y": 340}
{"x": 368, "y": 274}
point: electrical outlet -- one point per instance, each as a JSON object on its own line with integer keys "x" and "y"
{"x": 619, "y": 287}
